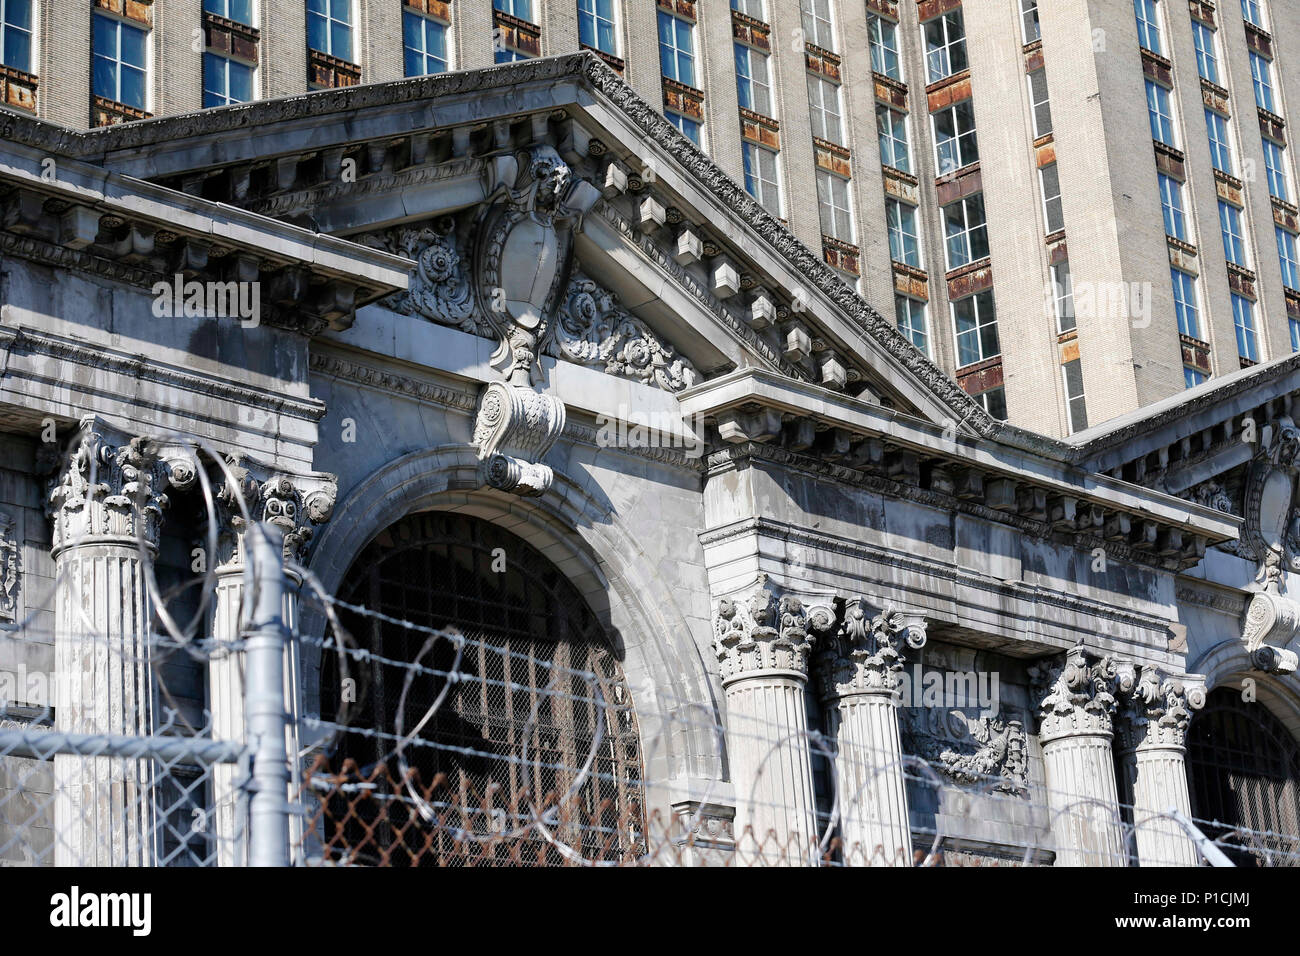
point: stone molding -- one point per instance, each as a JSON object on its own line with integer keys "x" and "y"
{"x": 10, "y": 568}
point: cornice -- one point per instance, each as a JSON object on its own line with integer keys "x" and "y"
{"x": 26, "y": 341}
{"x": 815, "y": 540}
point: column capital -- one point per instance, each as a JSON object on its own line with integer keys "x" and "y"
{"x": 1077, "y": 693}
{"x": 1157, "y": 709}
{"x": 295, "y": 504}
{"x": 868, "y": 650}
{"x": 764, "y": 630}
{"x": 109, "y": 487}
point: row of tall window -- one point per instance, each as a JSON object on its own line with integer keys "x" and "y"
{"x": 1232, "y": 226}
{"x": 964, "y": 221}
{"x": 121, "y": 46}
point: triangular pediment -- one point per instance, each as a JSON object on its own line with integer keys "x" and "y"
{"x": 681, "y": 245}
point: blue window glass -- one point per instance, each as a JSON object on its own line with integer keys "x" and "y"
{"x": 424, "y": 45}
{"x": 1185, "y": 305}
{"x": 1171, "y": 204}
{"x": 1243, "y": 318}
{"x": 329, "y": 27}
{"x": 240, "y": 11}
{"x": 676, "y": 48}
{"x": 1286, "y": 253}
{"x": 596, "y": 25}
{"x": 16, "y": 34}
{"x": 119, "y": 69}
{"x": 226, "y": 81}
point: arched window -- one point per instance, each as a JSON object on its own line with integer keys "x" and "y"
{"x": 1243, "y": 767}
{"x": 519, "y": 721}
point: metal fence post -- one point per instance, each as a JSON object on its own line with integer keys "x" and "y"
{"x": 264, "y": 707}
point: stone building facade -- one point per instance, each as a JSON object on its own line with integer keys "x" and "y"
{"x": 516, "y": 304}
{"x": 987, "y": 135}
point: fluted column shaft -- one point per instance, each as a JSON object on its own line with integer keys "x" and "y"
{"x": 762, "y": 643}
{"x": 105, "y": 502}
{"x": 1083, "y": 800}
{"x": 1076, "y": 735}
{"x": 767, "y": 732}
{"x": 857, "y": 672}
{"x": 1153, "y": 749}
{"x": 285, "y": 504}
{"x": 871, "y": 781}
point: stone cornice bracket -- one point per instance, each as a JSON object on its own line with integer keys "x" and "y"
{"x": 1272, "y": 622}
{"x": 1077, "y": 693}
{"x": 1156, "y": 710}
{"x": 294, "y": 504}
{"x": 764, "y": 632}
{"x": 513, "y": 431}
{"x": 108, "y": 487}
{"x": 868, "y": 650}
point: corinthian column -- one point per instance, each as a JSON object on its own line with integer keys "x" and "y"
{"x": 105, "y": 502}
{"x": 1075, "y": 732}
{"x": 762, "y": 643}
{"x": 858, "y": 677}
{"x": 293, "y": 505}
{"x": 1153, "y": 748}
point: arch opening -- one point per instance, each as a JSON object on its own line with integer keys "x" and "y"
{"x": 535, "y": 714}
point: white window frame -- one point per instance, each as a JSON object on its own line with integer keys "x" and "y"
{"x": 1172, "y": 198}
{"x": 33, "y": 13}
{"x": 677, "y": 51}
{"x": 225, "y": 4}
{"x": 1245, "y": 327}
{"x": 1187, "y": 311}
{"x": 967, "y": 231}
{"x": 1051, "y": 201}
{"x": 1207, "y": 60}
{"x": 1041, "y": 110}
{"x": 901, "y": 226}
{"x": 523, "y": 9}
{"x": 1233, "y": 231}
{"x": 424, "y": 54}
{"x": 121, "y": 25}
{"x": 962, "y": 145}
{"x": 767, "y": 189}
{"x": 831, "y": 189}
{"x": 909, "y": 309}
{"x": 825, "y": 110}
{"x": 1288, "y": 256}
{"x": 1252, "y": 11}
{"x": 1261, "y": 77}
{"x": 1160, "y": 114}
{"x": 1147, "y": 14}
{"x": 888, "y": 122}
{"x": 747, "y": 7}
{"x": 330, "y": 20}
{"x": 1275, "y": 172}
{"x": 593, "y": 15}
{"x": 879, "y": 29}
{"x": 227, "y": 61}
{"x": 1063, "y": 297}
{"x": 1029, "y": 14}
{"x": 943, "y": 52}
{"x": 1074, "y": 402}
{"x": 818, "y": 23}
{"x": 982, "y": 321}
{"x": 760, "y": 87}
{"x": 1219, "y": 131}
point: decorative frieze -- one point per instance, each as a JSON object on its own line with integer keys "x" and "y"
{"x": 10, "y": 567}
